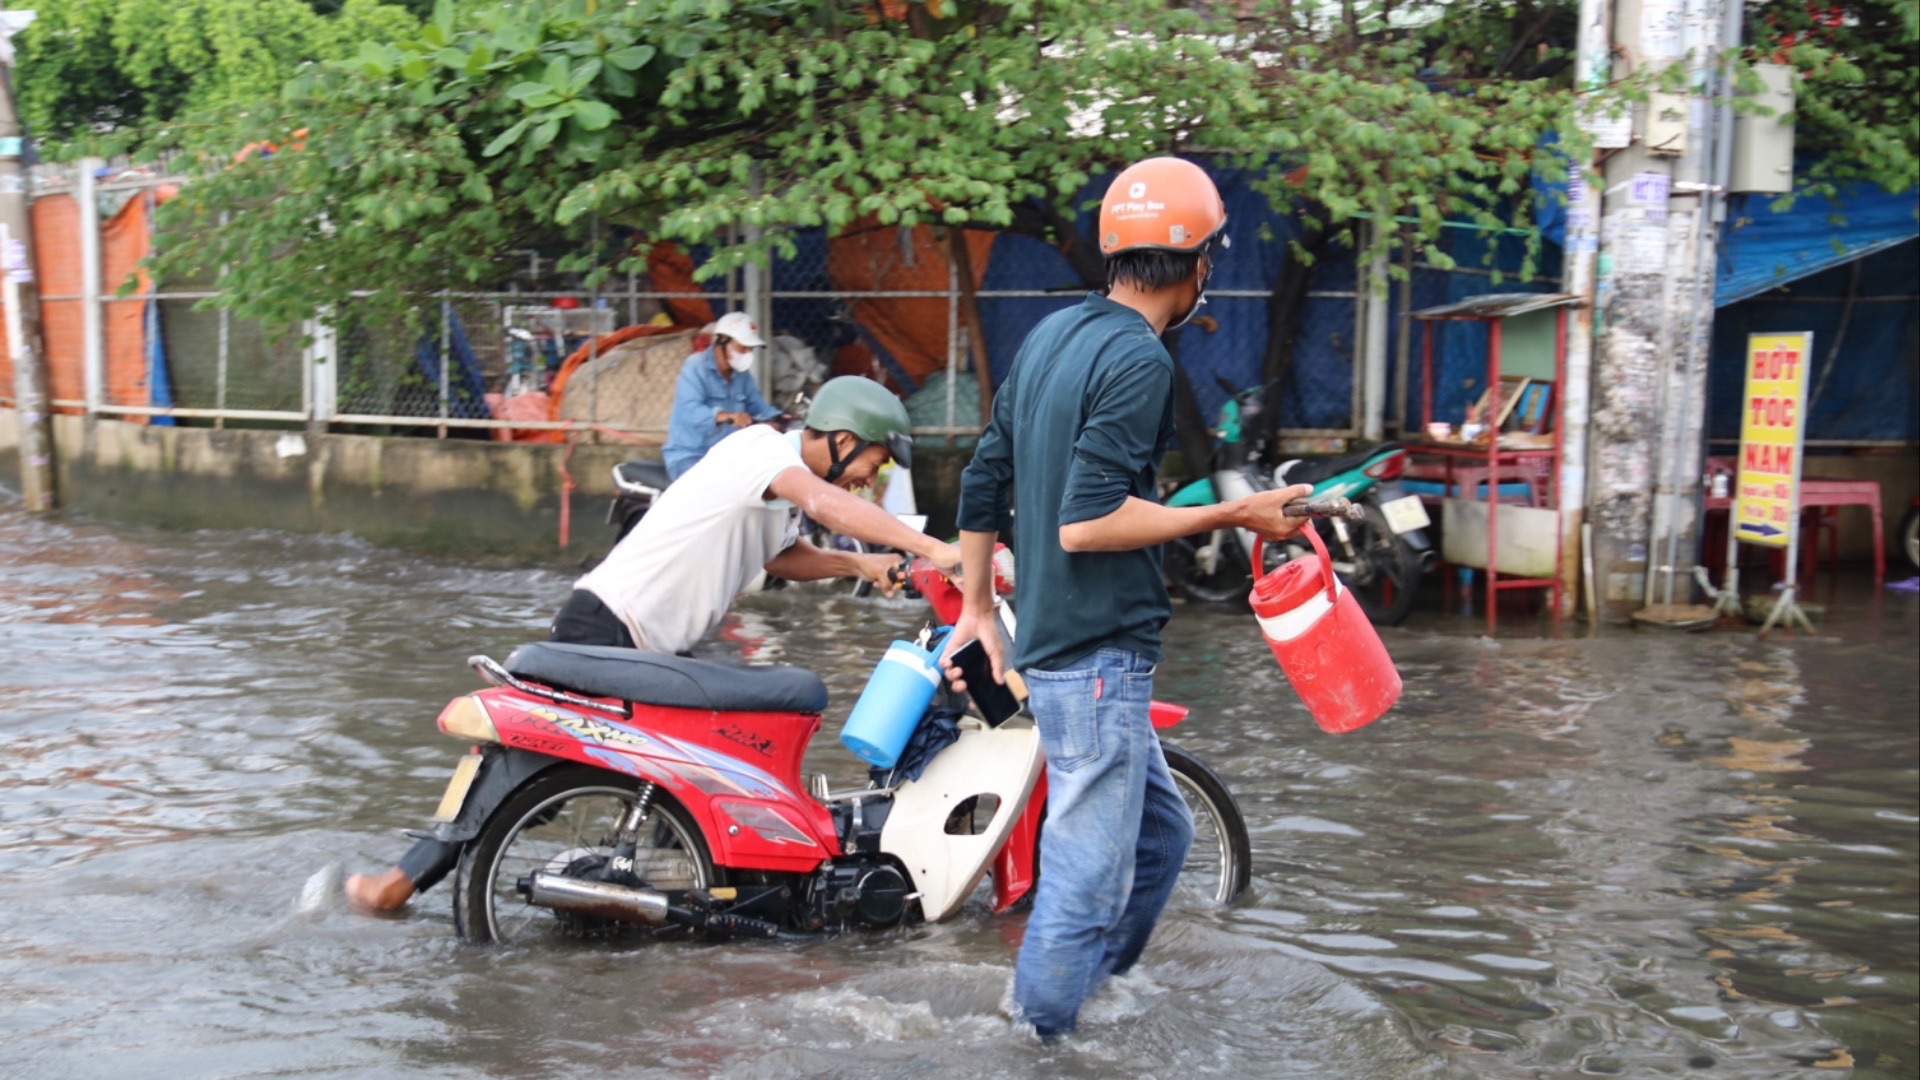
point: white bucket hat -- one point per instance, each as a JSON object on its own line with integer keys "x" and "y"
{"x": 737, "y": 326}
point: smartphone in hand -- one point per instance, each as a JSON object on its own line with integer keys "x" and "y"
{"x": 996, "y": 701}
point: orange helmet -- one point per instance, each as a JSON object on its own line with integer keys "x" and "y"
{"x": 1160, "y": 204}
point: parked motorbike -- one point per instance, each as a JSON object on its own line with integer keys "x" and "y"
{"x": 1910, "y": 535}
{"x": 613, "y": 791}
{"x": 1380, "y": 557}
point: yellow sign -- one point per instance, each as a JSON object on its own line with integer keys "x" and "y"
{"x": 1766, "y": 494}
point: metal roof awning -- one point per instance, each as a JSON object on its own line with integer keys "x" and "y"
{"x": 1497, "y": 305}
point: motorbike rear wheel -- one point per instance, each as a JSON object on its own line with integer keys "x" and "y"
{"x": 1220, "y": 863}
{"x": 562, "y": 819}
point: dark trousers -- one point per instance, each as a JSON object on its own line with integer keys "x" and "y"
{"x": 582, "y": 620}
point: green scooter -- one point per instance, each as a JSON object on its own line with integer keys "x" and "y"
{"x": 1379, "y": 558}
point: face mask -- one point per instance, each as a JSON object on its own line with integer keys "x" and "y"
{"x": 1199, "y": 297}
{"x": 740, "y": 361}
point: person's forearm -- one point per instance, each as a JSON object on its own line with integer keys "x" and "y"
{"x": 976, "y": 569}
{"x": 1138, "y": 523}
{"x": 804, "y": 562}
{"x": 847, "y": 513}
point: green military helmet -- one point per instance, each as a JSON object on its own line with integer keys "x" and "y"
{"x": 870, "y": 411}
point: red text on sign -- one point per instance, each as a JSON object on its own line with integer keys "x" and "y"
{"x": 1767, "y": 458}
{"x": 1777, "y": 364}
{"x": 1771, "y": 411}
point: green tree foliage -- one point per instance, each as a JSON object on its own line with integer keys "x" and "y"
{"x": 1857, "y": 105}
{"x": 101, "y": 72}
{"x": 428, "y": 153}
{"x": 434, "y": 147}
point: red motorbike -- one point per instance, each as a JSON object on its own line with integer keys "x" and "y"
{"x": 613, "y": 791}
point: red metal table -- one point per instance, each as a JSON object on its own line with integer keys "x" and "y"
{"x": 1819, "y": 495}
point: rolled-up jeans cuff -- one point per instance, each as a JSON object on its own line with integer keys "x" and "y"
{"x": 427, "y": 861}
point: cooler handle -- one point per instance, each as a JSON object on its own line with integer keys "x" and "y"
{"x": 1319, "y": 547}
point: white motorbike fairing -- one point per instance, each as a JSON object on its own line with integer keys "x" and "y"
{"x": 1004, "y": 763}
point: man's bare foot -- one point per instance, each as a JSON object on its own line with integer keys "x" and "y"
{"x": 388, "y": 892}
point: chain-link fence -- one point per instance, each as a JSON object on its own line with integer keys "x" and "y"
{"x": 545, "y": 355}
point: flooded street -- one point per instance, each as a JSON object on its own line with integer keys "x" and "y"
{"x": 1637, "y": 854}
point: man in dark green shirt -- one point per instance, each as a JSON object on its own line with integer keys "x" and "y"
{"x": 1077, "y": 434}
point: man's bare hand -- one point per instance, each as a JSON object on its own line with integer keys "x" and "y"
{"x": 947, "y": 558}
{"x": 1262, "y": 513}
{"x": 739, "y": 419}
{"x": 973, "y": 625}
{"x": 878, "y": 569}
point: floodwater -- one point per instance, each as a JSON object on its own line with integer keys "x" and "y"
{"x": 1636, "y": 854}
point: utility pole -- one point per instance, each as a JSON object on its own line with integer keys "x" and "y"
{"x": 1593, "y": 70}
{"x": 1653, "y": 315}
{"x": 22, "y": 298}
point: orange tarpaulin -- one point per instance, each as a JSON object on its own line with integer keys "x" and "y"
{"x": 913, "y": 330}
{"x": 125, "y": 240}
{"x": 56, "y": 262}
{"x": 669, "y": 270}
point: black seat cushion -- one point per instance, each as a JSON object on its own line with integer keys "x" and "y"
{"x": 1314, "y": 470}
{"x": 652, "y": 474}
{"x": 675, "y": 682}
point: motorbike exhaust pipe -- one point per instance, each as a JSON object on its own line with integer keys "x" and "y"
{"x": 598, "y": 899}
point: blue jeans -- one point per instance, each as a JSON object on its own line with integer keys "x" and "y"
{"x": 1116, "y": 834}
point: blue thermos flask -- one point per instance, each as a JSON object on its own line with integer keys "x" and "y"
{"x": 895, "y": 698}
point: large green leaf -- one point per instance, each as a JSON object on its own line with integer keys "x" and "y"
{"x": 593, "y": 115}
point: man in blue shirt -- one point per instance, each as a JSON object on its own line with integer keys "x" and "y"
{"x": 716, "y": 395}
{"x": 1078, "y": 430}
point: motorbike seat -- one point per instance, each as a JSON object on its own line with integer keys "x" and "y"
{"x": 675, "y": 682}
{"x": 652, "y": 474}
{"x": 1314, "y": 470}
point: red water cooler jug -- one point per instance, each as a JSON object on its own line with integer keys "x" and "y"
{"x": 1324, "y": 643}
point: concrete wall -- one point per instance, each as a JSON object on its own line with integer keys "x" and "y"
{"x": 463, "y": 497}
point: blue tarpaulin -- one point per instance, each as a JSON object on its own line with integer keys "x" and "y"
{"x": 1865, "y": 321}
{"x": 466, "y": 389}
{"x": 1762, "y": 248}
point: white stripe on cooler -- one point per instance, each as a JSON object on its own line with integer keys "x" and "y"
{"x": 915, "y": 660}
{"x": 1291, "y": 624}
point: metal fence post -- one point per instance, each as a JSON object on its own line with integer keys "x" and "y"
{"x": 220, "y": 361}
{"x": 322, "y": 388}
{"x": 94, "y": 369}
{"x": 593, "y": 336}
{"x": 953, "y": 340}
{"x": 1374, "y": 300}
{"x": 1402, "y": 344}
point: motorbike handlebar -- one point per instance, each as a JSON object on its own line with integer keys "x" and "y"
{"x": 1335, "y": 507}
{"x": 901, "y": 575}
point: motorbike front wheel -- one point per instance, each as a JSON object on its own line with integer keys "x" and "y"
{"x": 1220, "y": 863}
{"x": 1386, "y": 569}
{"x": 1208, "y": 567}
{"x": 566, "y": 820}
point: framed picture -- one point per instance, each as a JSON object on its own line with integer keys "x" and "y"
{"x": 1533, "y": 412}
{"x": 1498, "y": 403}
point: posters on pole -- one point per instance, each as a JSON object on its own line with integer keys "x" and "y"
{"x": 1766, "y": 498}
{"x": 1662, "y": 26}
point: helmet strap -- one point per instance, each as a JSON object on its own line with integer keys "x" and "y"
{"x": 839, "y": 466}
